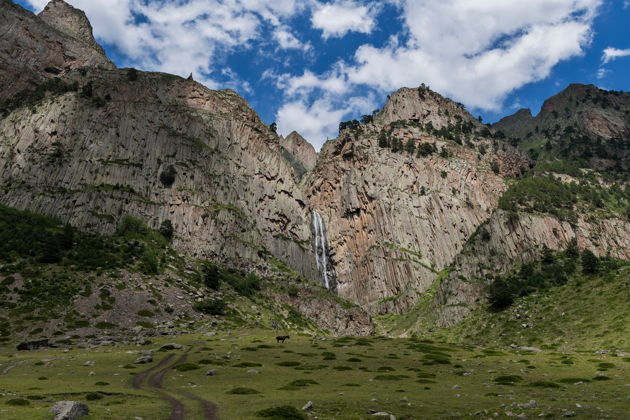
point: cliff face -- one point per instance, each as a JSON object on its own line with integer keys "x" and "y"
{"x": 71, "y": 21}
{"x": 505, "y": 240}
{"x": 406, "y": 203}
{"x": 395, "y": 219}
{"x": 91, "y": 157}
{"x": 581, "y": 122}
{"x": 32, "y": 50}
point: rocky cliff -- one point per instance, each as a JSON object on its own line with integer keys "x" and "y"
{"x": 581, "y": 122}
{"x": 420, "y": 199}
{"x": 33, "y": 49}
{"x": 300, "y": 149}
{"x": 149, "y": 145}
{"x": 395, "y": 218}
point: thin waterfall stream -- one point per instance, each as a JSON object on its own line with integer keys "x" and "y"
{"x": 322, "y": 253}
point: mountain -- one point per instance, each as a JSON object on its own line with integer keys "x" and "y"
{"x": 300, "y": 149}
{"x": 93, "y": 145}
{"x": 582, "y": 122}
{"x": 409, "y": 219}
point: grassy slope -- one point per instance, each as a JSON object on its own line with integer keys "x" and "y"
{"x": 400, "y": 376}
{"x": 587, "y": 313}
{"x": 46, "y": 268}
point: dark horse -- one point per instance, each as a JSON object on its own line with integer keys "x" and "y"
{"x": 281, "y": 338}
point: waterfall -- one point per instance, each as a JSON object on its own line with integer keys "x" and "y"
{"x": 322, "y": 252}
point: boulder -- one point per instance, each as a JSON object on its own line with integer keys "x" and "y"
{"x": 43, "y": 343}
{"x": 211, "y": 372}
{"x": 308, "y": 406}
{"x": 69, "y": 410}
{"x": 142, "y": 360}
{"x": 172, "y": 346}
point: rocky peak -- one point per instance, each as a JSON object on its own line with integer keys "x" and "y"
{"x": 301, "y": 149}
{"x": 71, "y": 21}
{"x": 422, "y": 105}
{"x": 33, "y": 50}
{"x": 521, "y": 116}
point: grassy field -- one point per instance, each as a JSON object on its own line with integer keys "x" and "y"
{"x": 345, "y": 378}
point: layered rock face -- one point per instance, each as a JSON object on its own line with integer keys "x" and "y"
{"x": 31, "y": 50}
{"x": 94, "y": 156}
{"x": 394, "y": 220}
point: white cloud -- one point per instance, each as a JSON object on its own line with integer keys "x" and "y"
{"x": 614, "y": 53}
{"x": 338, "y": 18}
{"x": 286, "y": 40}
{"x": 476, "y": 52}
{"x": 319, "y": 120}
{"x": 184, "y": 36}
{"x": 602, "y": 72}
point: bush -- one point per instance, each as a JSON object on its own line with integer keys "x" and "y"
{"x": 166, "y": 230}
{"x": 243, "y": 391}
{"x": 211, "y": 277}
{"x": 590, "y": 263}
{"x": 132, "y": 75}
{"x": 284, "y": 412}
{"x": 93, "y": 396}
{"x": 18, "y": 402}
{"x": 211, "y": 307}
{"x": 167, "y": 177}
{"x": 185, "y": 367}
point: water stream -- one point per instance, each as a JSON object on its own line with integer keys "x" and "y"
{"x": 322, "y": 252}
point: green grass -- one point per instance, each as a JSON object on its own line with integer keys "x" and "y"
{"x": 337, "y": 391}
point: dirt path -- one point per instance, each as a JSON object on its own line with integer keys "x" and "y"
{"x": 154, "y": 377}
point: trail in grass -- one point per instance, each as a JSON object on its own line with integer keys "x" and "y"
{"x": 154, "y": 376}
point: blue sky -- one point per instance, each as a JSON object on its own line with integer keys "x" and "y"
{"x": 308, "y": 64}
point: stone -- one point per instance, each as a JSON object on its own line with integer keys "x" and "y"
{"x": 172, "y": 346}
{"x": 569, "y": 413}
{"x": 211, "y": 372}
{"x": 253, "y": 372}
{"x": 69, "y": 410}
{"x": 143, "y": 360}
{"x": 308, "y": 406}
{"x": 89, "y": 363}
{"x": 43, "y": 343}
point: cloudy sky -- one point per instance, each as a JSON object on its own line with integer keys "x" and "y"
{"x": 308, "y": 64}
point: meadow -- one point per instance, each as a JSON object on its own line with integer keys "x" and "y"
{"x": 345, "y": 378}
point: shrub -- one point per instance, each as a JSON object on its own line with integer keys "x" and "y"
{"x": 132, "y": 75}
{"x": 166, "y": 230}
{"x": 590, "y": 263}
{"x": 243, "y": 391}
{"x": 185, "y": 367}
{"x": 211, "y": 306}
{"x": 284, "y": 412}
{"x": 288, "y": 363}
{"x": 167, "y": 177}
{"x": 18, "y": 402}
{"x": 508, "y": 379}
{"x": 93, "y": 396}
{"x": 211, "y": 277}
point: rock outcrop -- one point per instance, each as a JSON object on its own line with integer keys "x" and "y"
{"x": 95, "y": 156}
{"x": 301, "y": 149}
{"x": 31, "y": 50}
{"x": 394, "y": 220}
{"x": 71, "y": 21}
{"x": 505, "y": 240}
